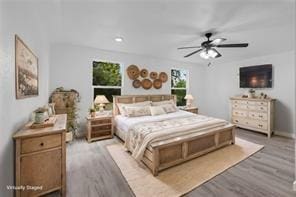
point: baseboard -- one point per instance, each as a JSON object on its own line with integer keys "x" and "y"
{"x": 294, "y": 186}
{"x": 285, "y": 134}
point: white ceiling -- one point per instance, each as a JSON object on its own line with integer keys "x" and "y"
{"x": 158, "y": 28}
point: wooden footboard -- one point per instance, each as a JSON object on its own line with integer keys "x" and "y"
{"x": 165, "y": 154}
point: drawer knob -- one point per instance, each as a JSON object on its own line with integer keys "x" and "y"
{"x": 41, "y": 144}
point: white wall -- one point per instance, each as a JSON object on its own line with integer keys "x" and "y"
{"x": 22, "y": 19}
{"x": 222, "y": 82}
{"x": 71, "y": 67}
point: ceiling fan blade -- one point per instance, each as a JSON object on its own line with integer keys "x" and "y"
{"x": 193, "y": 52}
{"x": 217, "y": 41}
{"x": 218, "y": 54}
{"x": 188, "y": 47}
{"x": 233, "y": 45}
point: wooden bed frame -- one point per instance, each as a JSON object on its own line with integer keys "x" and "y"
{"x": 162, "y": 155}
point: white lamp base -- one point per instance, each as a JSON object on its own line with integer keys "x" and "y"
{"x": 189, "y": 103}
{"x": 101, "y": 109}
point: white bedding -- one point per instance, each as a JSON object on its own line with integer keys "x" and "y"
{"x": 124, "y": 123}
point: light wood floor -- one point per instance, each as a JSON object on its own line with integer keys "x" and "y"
{"x": 92, "y": 172}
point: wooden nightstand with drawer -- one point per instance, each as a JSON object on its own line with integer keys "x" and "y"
{"x": 190, "y": 109}
{"x": 99, "y": 127}
{"x": 41, "y": 159}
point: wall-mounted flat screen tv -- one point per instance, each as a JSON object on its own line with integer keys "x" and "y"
{"x": 259, "y": 76}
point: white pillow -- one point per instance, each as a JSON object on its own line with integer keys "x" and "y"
{"x": 136, "y": 111}
{"x": 163, "y": 102}
{"x": 157, "y": 110}
{"x": 122, "y": 105}
{"x": 169, "y": 108}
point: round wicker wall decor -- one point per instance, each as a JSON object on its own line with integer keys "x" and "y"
{"x": 146, "y": 84}
{"x": 153, "y": 75}
{"x": 157, "y": 83}
{"x": 136, "y": 83}
{"x": 144, "y": 73}
{"x": 133, "y": 72}
{"x": 163, "y": 77}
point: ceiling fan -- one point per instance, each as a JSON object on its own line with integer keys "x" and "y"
{"x": 207, "y": 49}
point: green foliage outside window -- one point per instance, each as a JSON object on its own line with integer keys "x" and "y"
{"x": 178, "y": 78}
{"x": 178, "y": 85}
{"x": 107, "y": 80}
{"x": 106, "y": 74}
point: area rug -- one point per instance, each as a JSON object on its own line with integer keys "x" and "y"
{"x": 181, "y": 179}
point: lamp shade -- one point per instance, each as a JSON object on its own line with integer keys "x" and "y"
{"x": 101, "y": 99}
{"x": 189, "y": 97}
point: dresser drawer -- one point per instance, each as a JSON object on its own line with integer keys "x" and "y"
{"x": 261, "y": 103}
{"x": 258, "y": 115}
{"x": 239, "y": 102}
{"x": 101, "y": 121}
{"x": 239, "y": 113}
{"x": 258, "y": 124}
{"x": 262, "y": 108}
{"x": 237, "y": 120}
{"x": 102, "y": 127}
{"x": 40, "y": 143}
{"x": 239, "y": 106}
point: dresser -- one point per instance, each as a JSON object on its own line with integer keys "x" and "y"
{"x": 99, "y": 127}
{"x": 253, "y": 114}
{"x": 40, "y": 159}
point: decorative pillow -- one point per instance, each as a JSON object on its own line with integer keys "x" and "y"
{"x": 135, "y": 111}
{"x": 157, "y": 110}
{"x": 163, "y": 102}
{"x": 122, "y": 105}
{"x": 169, "y": 108}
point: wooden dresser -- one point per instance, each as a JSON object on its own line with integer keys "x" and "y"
{"x": 41, "y": 159}
{"x": 253, "y": 114}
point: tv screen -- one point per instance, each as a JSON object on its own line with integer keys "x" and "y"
{"x": 256, "y": 76}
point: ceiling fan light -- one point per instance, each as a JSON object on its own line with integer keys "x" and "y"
{"x": 212, "y": 53}
{"x": 204, "y": 55}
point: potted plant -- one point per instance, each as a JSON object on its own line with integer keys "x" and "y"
{"x": 40, "y": 115}
{"x": 92, "y": 112}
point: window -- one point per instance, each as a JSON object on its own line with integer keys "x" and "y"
{"x": 107, "y": 80}
{"x": 179, "y": 84}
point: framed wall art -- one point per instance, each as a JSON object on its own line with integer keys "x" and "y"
{"x": 26, "y": 70}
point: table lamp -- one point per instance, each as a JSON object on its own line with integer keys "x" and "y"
{"x": 101, "y": 100}
{"x": 189, "y": 100}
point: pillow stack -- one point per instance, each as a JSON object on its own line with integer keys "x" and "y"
{"x": 147, "y": 108}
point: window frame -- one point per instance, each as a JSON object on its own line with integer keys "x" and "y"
{"x": 107, "y": 87}
{"x": 187, "y": 79}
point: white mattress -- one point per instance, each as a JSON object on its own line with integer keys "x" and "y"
{"x": 123, "y": 123}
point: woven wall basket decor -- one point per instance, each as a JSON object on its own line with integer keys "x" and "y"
{"x": 153, "y": 75}
{"x": 163, "y": 77}
{"x": 136, "y": 83}
{"x": 144, "y": 73}
{"x": 133, "y": 72}
{"x": 146, "y": 84}
{"x": 157, "y": 83}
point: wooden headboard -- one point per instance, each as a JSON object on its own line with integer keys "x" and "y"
{"x": 139, "y": 98}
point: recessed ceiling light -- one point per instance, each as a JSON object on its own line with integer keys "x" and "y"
{"x": 118, "y": 39}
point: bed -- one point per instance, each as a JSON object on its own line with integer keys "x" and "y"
{"x": 178, "y": 137}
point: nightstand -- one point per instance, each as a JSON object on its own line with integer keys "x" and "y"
{"x": 99, "y": 127}
{"x": 190, "y": 109}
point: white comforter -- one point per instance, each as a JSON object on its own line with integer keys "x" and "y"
{"x": 144, "y": 130}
